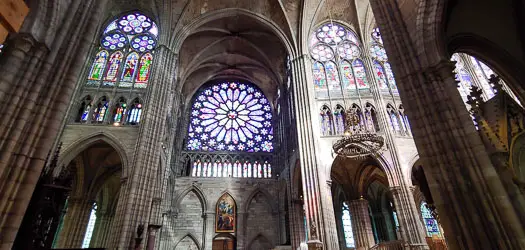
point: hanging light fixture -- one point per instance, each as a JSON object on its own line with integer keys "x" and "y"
{"x": 357, "y": 142}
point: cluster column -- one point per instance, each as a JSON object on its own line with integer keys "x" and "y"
{"x": 361, "y": 225}
{"x": 75, "y": 223}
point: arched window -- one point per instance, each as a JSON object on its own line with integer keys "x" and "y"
{"x": 347, "y": 226}
{"x": 405, "y": 126}
{"x": 134, "y": 113}
{"x": 336, "y": 67}
{"x": 339, "y": 115}
{"x": 431, "y": 224}
{"x": 100, "y": 111}
{"x": 326, "y": 119}
{"x": 394, "y": 120}
{"x": 371, "y": 122}
{"x": 119, "y": 111}
{"x": 359, "y": 113}
{"x": 131, "y": 37}
{"x": 235, "y": 119}
{"x": 83, "y": 111}
{"x": 383, "y": 69}
{"x": 472, "y": 72}
{"x": 90, "y": 227}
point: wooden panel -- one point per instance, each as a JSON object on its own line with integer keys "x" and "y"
{"x": 13, "y": 13}
{"x": 3, "y": 33}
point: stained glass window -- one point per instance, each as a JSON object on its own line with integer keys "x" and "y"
{"x": 376, "y": 35}
{"x": 335, "y": 51}
{"x": 134, "y": 113}
{"x": 431, "y": 224}
{"x": 90, "y": 227}
{"x": 360, "y": 74}
{"x": 394, "y": 121}
{"x": 390, "y": 75}
{"x": 339, "y": 120}
{"x": 143, "y": 70}
{"x": 124, "y": 37}
{"x": 97, "y": 69}
{"x": 380, "y": 75}
{"x": 120, "y": 109}
{"x": 319, "y": 75}
{"x": 100, "y": 110}
{"x": 114, "y": 64}
{"x": 326, "y": 121}
{"x": 83, "y": 112}
{"x": 347, "y": 226}
{"x": 231, "y": 116}
{"x": 129, "y": 70}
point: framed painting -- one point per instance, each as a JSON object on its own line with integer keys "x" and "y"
{"x": 225, "y": 218}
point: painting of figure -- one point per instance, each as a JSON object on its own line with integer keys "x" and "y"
{"x": 225, "y": 218}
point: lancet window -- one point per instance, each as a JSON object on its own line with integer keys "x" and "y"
{"x": 230, "y": 132}
{"x": 337, "y": 69}
{"x": 85, "y": 107}
{"x": 119, "y": 111}
{"x": 125, "y": 53}
{"x": 382, "y": 68}
{"x": 347, "y": 226}
{"x": 90, "y": 227}
{"x": 431, "y": 224}
{"x": 327, "y": 121}
{"x": 100, "y": 110}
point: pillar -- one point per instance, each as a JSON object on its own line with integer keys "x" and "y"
{"x": 75, "y": 223}
{"x": 145, "y": 165}
{"x": 361, "y": 225}
{"x": 475, "y": 209}
{"x": 315, "y": 230}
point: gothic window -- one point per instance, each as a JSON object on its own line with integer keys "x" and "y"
{"x": 326, "y": 119}
{"x": 470, "y": 71}
{"x": 232, "y": 118}
{"x": 394, "y": 120}
{"x": 131, "y": 40}
{"x": 134, "y": 113}
{"x": 100, "y": 111}
{"x": 371, "y": 122}
{"x": 359, "y": 113}
{"x": 83, "y": 111}
{"x": 339, "y": 115}
{"x": 403, "y": 120}
{"x": 90, "y": 227}
{"x": 431, "y": 224}
{"x": 119, "y": 111}
{"x": 382, "y": 68}
{"x": 347, "y": 226}
{"x": 336, "y": 68}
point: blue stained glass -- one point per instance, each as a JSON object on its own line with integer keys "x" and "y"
{"x": 231, "y": 116}
{"x": 380, "y": 75}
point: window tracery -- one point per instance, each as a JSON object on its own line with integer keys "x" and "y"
{"x": 85, "y": 107}
{"x": 119, "y": 111}
{"x": 135, "y": 112}
{"x": 131, "y": 38}
{"x": 326, "y": 119}
{"x": 99, "y": 114}
{"x": 431, "y": 224}
{"x": 382, "y": 68}
{"x": 336, "y": 67}
{"x": 232, "y": 121}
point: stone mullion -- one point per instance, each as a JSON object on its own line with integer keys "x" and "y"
{"x": 361, "y": 225}
{"x": 477, "y": 212}
{"x": 152, "y": 132}
{"x": 469, "y": 67}
{"x": 306, "y": 150}
{"x": 209, "y": 227}
{"x": 411, "y": 229}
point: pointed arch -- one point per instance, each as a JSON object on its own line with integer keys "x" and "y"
{"x": 198, "y": 192}
{"x": 190, "y": 237}
{"x": 262, "y": 240}
{"x": 225, "y": 214}
{"x": 327, "y": 121}
{"x": 267, "y": 196}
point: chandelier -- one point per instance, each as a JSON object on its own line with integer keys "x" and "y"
{"x": 357, "y": 142}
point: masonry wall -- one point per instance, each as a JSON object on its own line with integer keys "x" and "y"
{"x": 258, "y": 212}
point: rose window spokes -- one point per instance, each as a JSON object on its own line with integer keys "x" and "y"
{"x": 231, "y": 117}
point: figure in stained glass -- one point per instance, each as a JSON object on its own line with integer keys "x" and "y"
{"x": 114, "y": 64}
{"x": 390, "y": 75}
{"x": 348, "y": 77}
{"x": 97, "y": 69}
{"x": 129, "y": 68}
{"x": 380, "y": 75}
{"x": 319, "y": 75}
{"x": 360, "y": 74}
{"x": 144, "y": 70}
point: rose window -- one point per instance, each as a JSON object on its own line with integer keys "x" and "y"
{"x": 231, "y": 117}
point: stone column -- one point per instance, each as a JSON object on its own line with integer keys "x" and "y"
{"x": 241, "y": 229}
{"x": 75, "y": 223}
{"x": 361, "y": 225}
{"x": 145, "y": 165}
{"x": 36, "y": 84}
{"x": 475, "y": 209}
{"x": 209, "y": 230}
{"x": 332, "y": 241}
{"x": 412, "y": 230}
{"x": 307, "y": 153}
